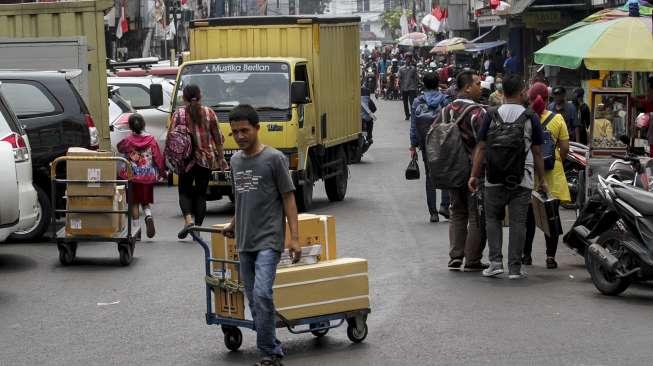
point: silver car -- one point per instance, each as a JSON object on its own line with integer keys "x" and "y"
{"x": 144, "y": 95}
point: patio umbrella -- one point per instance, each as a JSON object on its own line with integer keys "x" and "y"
{"x": 450, "y": 45}
{"x": 616, "y": 44}
{"x": 412, "y": 39}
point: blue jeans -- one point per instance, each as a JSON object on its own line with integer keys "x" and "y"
{"x": 258, "y": 270}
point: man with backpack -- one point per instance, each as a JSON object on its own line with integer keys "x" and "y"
{"x": 510, "y": 148}
{"x": 450, "y": 145}
{"x": 408, "y": 84}
{"x": 425, "y": 109}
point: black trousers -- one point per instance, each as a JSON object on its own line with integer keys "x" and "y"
{"x": 408, "y": 98}
{"x": 551, "y": 242}
{"x": 192, "y": 192}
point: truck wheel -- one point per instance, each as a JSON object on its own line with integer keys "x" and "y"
{"x": 304, "y": 192}
{"x": 43, "y": 218}
{"x": 336, "y": 187}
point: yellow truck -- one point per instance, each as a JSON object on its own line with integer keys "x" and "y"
{"x": 301, "y": 73}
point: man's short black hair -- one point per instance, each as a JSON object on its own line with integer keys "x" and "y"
{"x": 464, "y": 79}
{"x": 244, "y": 112}
{"x": 512, "y": 85}
{"x": 430, "y": 80}
{"x": 559, "y": 91}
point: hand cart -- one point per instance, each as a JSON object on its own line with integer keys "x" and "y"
{"x": 318, "y": 326}
{"x": 126, "y": 238}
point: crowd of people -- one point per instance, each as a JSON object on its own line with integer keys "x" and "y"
{"x": 515, "y": 142}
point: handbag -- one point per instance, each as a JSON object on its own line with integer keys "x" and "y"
{"x": 412, "y": 171}
{"x": 546, "y": 213}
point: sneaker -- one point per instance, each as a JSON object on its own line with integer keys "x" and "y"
{"x": 527, "y": 260}
{"x": 551, "y": 263}
{"x": 455, "y": 263}
{"x": 494, "y": 269}
{"x": 434, "y": 218}
{"x": 475, "y": 267}
{"x": 184, "y": 232}
{"x": 518, "y": 276}
{"x": 444, "y": 211}
{"x": 149, "y": 226}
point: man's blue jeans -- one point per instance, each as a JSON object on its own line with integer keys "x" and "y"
{"x": 258, "y": 270}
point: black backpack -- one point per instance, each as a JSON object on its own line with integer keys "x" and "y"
{"x": 506, "y": 149}
{"x": 549, "y": 145}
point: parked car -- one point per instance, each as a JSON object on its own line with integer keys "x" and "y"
{"x": 19, "y": 209}
{"x": 149, "y": 96}
{"x": 55, "y": 117}
{"x": 119, "y": 112}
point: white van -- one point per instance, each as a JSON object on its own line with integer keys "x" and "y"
{"x": 18, "y": 201}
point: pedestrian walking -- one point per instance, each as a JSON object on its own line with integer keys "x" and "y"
{"x": 264, "y": 195}
{"x": 408, "y": 84}
{"x": 206, "y": 155}
{"x": 509, "y": 146}
{"x": 555, "y": 127}
{"x": 143, "y": 153}
{"x": 567, "y": 111}
{"x": 466, "y": 232}
{"x": 425, "y": 109}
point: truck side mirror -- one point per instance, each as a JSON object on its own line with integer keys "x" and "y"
{"x": 156, "y": 95}
{"x": 298, "y": 92}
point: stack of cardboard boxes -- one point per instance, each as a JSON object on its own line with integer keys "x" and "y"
{"x": 93, "y": 196}
{"x": 329, "y": 286}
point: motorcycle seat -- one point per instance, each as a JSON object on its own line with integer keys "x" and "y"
{"x": 639, "y": 199}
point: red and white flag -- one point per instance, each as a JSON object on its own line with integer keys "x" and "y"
{"x": 123, "y": 24}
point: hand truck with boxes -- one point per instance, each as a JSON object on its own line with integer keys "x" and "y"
{"x": 309, "y": 298}
{"x": 98, "y": 206}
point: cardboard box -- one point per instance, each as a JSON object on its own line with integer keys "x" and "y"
{"x": 96, "y": 224}
{"x": 90, "y": 170}
{"x": 317, "y": 229}
{"x": 326, "y": 287}
{"x": 227, "y": 304}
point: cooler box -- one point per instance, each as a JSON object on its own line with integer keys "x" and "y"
{"x": 546, "y": 213}
{"x": 96, "y": 224}
{"x": 323, "y": 288}
{"x": 90, "y": 170}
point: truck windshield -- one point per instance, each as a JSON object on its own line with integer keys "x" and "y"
{"x": 264, "y": 85}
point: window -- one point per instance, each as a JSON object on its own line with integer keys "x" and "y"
{"x": 362, "y": 6}
{"x": 136, "y": 95}
{"x": 28, "y": 100}
{"x": 301, "y": 74}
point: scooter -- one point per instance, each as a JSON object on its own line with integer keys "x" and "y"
{"x": 574, "y": 166}
{"x": 619, "y": 239}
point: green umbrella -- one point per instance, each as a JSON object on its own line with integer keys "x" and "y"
{"x": 618, "y": 44}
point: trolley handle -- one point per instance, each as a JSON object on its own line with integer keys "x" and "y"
{"x": 55, "y": 162}
{"x": 204, "y": 229}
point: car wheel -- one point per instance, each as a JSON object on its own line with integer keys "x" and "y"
{"x": 43, "y": 217}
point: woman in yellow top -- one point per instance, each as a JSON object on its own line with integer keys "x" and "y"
{"x": 555, "y": 178}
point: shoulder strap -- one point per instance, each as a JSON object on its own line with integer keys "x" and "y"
{"x": 548, "y": 119}
{"x": 465, "y": 111}
{"x": 496, "y": 116}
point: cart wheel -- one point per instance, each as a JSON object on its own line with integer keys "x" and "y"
{"x": 66, "y": 254}
{"x": 355, "y": 335}
{"x": 126, "y": 253}
{"x": 322, "y": 332}
{"x": 233, "y": 338}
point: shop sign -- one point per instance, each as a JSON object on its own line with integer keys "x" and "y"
{"x": 490, "y": 21}
{"x": 541, "y": 18}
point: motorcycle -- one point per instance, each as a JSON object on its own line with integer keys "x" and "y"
{"x": 619, "y": 237}
{"x": 574, "y": 167}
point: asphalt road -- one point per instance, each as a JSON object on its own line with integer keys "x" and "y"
{"x": 423, "y": 314}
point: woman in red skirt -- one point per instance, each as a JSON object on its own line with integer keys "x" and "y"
{"x": 142, "y": 151}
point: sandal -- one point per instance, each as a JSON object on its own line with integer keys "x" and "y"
{"x": 269, "y": 362}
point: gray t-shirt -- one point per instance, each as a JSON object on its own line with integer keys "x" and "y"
{"x": 259, "y": 182}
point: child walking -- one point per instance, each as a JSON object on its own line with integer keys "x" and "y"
{"x": 142, "y": 151}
